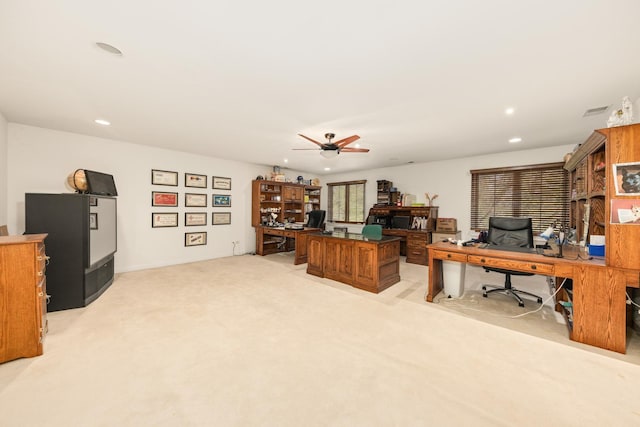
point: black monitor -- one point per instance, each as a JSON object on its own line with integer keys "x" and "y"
{"x": 100, "y": 183}
{"x": 401, "y": 221}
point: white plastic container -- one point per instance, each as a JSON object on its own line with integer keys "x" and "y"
{"x": 453, "y": 277}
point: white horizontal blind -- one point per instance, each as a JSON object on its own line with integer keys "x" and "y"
{"x": 346, "y": 201}
{"x": 537, "y": 191}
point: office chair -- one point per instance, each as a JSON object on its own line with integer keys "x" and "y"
{"x": 316, "y": 219}
{"x": 509, "y": 232}
{"x": 372, "y": 230}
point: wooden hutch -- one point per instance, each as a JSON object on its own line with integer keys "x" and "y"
{"x": 414, "y": 241}
{"x": 595, "y": 308}
{"x": 274, "y": 203}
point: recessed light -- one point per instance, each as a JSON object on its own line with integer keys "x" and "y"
{"x": 327, "y": 169}
{"x": 357, "y": 145}
{"x": 102, "y": 122}
{"x": 286, "y": 160}
{"x": 509, "y": 111}
{"x": 515, "y": 140}
{"x": 108, "y": 48}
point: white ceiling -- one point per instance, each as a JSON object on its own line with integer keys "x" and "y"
{"x": 417, "y": 80}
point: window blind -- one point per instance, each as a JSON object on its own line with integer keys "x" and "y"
{"x": 537, "y": 191}
{"x": 346, "y": 202}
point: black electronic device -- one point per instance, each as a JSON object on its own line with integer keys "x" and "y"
{"x": 100, "y": 183}
{"x": 402, "y": 222}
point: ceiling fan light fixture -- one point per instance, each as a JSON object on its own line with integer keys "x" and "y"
{"x": 329, "y": 154}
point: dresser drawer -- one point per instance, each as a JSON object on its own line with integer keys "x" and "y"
{"x": 517, "y": 265}
{"x": 417, "y": 256}
{"x": 449, "y": 256}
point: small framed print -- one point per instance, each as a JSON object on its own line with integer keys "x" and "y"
{"x": 221, "y": 218}
{"x": 93, "y": 201}
{"x": 195, "y": 239}
{"x": 195, "y": 218}
{"x": 195, "y": 180}
{"x": 162, "y": 219}
{"x": 159, "y": 177}
{"x": 193, "y": 200}
{"x": 627, "y": 179}
{"x": 93, "y": 221}
{"x": 221, "y": 183}
{"x": 159, "y": 198}
{"x": 221, "y": 200}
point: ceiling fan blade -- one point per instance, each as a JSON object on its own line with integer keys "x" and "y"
{"x": 312, "y": 140}
{"x": 354, "y": 150}
{"x": 346, "y": 141}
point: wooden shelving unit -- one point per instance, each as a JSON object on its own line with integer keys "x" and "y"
{"x": 588, "y": 172}
{"x": 285, "y": 199}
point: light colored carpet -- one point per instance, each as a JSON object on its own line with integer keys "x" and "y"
{"x": 255, "y": 341}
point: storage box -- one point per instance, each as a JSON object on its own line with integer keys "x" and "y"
{"x": 447, "y": 224}
{"x": 596, "y": 245}
{"x": 596, "y": 250}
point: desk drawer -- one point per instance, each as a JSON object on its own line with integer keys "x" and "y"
{"x": 289, "y": 234}
{"x": 450, "y": 256}
{"x": 509, "y": 264}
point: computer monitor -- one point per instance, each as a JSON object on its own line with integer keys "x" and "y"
{"x": 401, "y": 222}
{"x": 100, "y": 183}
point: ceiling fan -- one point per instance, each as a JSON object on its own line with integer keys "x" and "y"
{"x": 332, "y": 149}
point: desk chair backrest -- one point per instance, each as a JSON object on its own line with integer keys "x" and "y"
{"x": 372, "y": 230}
{"x": 510, "y": 232}
{"x": 316, "y": 218}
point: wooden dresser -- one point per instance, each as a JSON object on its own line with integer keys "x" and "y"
{"x": 23, "y": 293}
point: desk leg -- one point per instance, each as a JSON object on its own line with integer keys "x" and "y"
{"x": 436, "y": 282}
{"x": 259, "y": 241}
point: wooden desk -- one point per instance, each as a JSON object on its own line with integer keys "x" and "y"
{"x": 365, "y": 263}
{"x": 599, "y": 292}
{"x": 285, "y": 240}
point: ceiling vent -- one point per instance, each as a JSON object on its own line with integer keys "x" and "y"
{"x": 595, "y": 111}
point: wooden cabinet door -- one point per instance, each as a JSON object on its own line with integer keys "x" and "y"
{"x": 366, "y": 274}
{"x": 339, "y": 260}
{"x": 315, "y": 255}
{"x": 291, "y": 193}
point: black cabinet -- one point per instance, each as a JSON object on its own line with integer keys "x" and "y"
{"x": 81, "y": 244}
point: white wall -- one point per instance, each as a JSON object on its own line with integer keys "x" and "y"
{"x": 41, "y": 160}
{"x": 3, "y": 170}
{"x": 449, "y": 179}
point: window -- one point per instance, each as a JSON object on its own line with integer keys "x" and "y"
{"x": 346, "y": 201}
{"x": 537, "y": 191}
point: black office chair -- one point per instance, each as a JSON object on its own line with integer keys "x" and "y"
{"x": 316, "y": 219}
{"x": 510, "y": 232}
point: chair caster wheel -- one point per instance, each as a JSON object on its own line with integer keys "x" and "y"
{"x": 484, "y": 288}
{"x": 484, "y": 294}
{"x": 539, "y": 300}
{"x": 520, "y": 304}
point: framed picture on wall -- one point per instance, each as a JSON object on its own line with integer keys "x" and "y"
{"x": 221, "y": 183}
{"x": 195, "y": 239}
{"x": 220, "y": 218}
{"x": 160, "y": 177}
{"x": 194, "y": 200}
{"x": 195, "y": 180}
{"x": 93, "y": 221}
{"x": 162, "y": 219}
{"x": 195, "y": 218}
{"x": 627, "y": 179}
{"x": 159, "y": 198}
{"x": 221, "y": 200}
